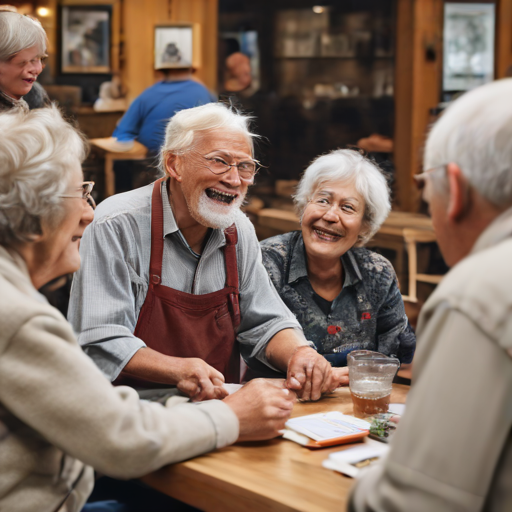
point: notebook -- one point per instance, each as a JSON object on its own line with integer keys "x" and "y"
{"x": 325, "y": 429}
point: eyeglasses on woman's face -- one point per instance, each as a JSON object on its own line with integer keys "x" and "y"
{"x": 86, "y": 188}
{"x": 325, "y": 203}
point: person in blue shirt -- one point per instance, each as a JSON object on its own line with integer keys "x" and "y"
{"x": 148, "y": 115}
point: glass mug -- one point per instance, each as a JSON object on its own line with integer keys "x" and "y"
{"x": 370, "y": 377}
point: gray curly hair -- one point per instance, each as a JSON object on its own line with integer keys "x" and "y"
{"x": 348, "y": 165}
{"x": 36, "y": 150}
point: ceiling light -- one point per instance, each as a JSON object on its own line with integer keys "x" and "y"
{"x": 318, "y": 9}
{"x": 43, "y": 11}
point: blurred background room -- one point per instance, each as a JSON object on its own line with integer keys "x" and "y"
{"x": 371, "y": 74}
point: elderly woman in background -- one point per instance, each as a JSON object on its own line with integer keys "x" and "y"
{"x": 22, "y": 49}
{"x": 344, "y": 296}
{"x": 58, "y": 414}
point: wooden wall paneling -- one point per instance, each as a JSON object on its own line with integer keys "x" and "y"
{"x": 504, "y": 38}
{"x": 418, "y": 72}
{"x": 139, "y": 19}
{"x": 205, "y": 14}
{"x": 115, "y": 50}
{"x": 49, "y": 24}
{"x": 403, "y": 102}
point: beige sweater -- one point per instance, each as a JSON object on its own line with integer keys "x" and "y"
{"x": 452, "y": 451}
{"x": 59, "y": 417}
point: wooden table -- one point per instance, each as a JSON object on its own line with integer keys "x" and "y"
{"x": 137, "y": 152}
{"x": 275, "y": 475}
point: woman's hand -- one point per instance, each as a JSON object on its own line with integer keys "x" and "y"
{"x": 339, "y": 377}
{"x": 309, "y": 374}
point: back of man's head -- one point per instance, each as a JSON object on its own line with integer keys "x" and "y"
{"x": 475, "y": 132}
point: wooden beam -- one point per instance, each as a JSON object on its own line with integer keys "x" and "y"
{"x": 504, "y": 38}
{"x": 403, "y": 101}
{"x": 418, "y": 72}
{"x": 205, "y": 14}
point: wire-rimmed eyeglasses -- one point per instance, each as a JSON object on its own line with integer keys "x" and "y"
{"x": 247, "y": 169}
{"x": 421, "y": 178}
{"x": 87, "y": 187}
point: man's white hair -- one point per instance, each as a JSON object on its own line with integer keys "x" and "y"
{"x": 18, "y": 32}
{"x": 36, "y": 150}
{"x": 347, "y": 165}
{"x": 183, "y": 128}
{"x": 475, "y": 132}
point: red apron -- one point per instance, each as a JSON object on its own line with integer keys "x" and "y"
{"x": 182, "y": 324}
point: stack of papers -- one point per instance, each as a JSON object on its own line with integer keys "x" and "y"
{"x": 351, "y": 461}
{"x": 325, "y": 429}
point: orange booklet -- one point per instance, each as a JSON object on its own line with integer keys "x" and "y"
{"x": 326, "y": 429}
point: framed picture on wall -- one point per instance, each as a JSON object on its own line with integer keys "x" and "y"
{"x": 468, "y": 59}
{"x": 85, "y": 38}
{"x": 174, "y": 46}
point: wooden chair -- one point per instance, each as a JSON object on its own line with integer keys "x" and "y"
{"x": 391, "y": 236}
{"x": 412, "y": 237}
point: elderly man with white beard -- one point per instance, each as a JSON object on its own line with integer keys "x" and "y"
{"x": 172, "y": 289}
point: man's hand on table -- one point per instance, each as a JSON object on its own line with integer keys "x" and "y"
{"x": 191, "y": 375}
{"x": 310, "y": 374}
{"x": 263, "y": 406}
{"x": 199, "y": 380}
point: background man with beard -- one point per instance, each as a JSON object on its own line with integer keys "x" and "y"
{"x": 172, "y": 288}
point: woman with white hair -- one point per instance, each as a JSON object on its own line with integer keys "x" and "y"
{"x": 344, "y": 296}
{"x": 59, "y": 416}
{"x": 22, "y": 51}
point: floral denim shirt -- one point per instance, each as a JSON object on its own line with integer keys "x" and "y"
{"x": 368, "y": 314}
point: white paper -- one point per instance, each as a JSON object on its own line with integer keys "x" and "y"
{"x": 397, "y": 409}
{"x": 295, "y": 437}
{"x": 231, "y": 388}
{"x": 324, "y": 426}
{"x": 361, "y": 452}
{"x": 343, "y": 461}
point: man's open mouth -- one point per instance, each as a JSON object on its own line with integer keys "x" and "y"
{"x": 29, "y": 80}
{"x": 326, "y": 235}
{"x": 217, "y": 195}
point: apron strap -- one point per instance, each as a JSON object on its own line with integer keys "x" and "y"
{"x": 231, "y": 235}
{"x": 157, "y": 234}
{"x": 157, "y": 251}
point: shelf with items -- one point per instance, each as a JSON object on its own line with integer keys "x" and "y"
{"x": 302, "y": 33}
